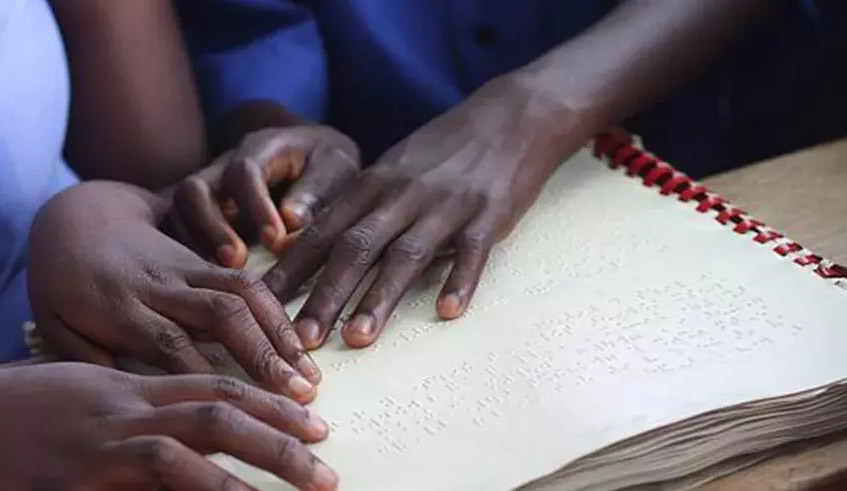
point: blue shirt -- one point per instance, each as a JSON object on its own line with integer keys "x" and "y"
{"x": 378, "y": 69}
{"x": 34, "y": 92}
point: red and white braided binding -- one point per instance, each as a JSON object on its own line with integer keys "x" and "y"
{"x": 619, "y": 149}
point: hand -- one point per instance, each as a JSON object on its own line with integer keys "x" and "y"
{"x": 103, "y": 280}
{"x": 460, "y": 182}
{"x": 234, "y": 190}
{"x": 76, "y": 426}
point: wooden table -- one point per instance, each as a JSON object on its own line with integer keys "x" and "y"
{"x": 804, "y": 195}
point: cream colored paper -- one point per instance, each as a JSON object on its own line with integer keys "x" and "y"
{"x": 611, "y": 311}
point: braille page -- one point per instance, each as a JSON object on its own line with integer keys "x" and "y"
{"x": 610, "y": 311}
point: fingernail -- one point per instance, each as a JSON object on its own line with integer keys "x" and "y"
{"x": 269, "y": 235}
{"x": 300, "y": 386}
{"x": 299, "y": 209}
{"x": 450, "y": 306}
{"x": 310, "y": 332}
{"x": 297, "y": 213}
{"x": 317, "y": 424}
{"x": 359, "y": 332}
{"x": 307, "y": 366}
{"x": 362, "y": 324}
{"x": 323, "y": 478}
{"x": 226, "y": 255}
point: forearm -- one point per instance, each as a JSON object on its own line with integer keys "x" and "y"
{"x": 637, "y": 55}
{"x": 135, "y": 115}
{"x": 266, "y": 70}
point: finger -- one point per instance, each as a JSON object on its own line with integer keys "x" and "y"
{"x": 63, "y": 342}
{"x": 200, "y": 214}
{"x": 289, "y": 241}
{"x": 281, "y": 159}
{"x": 308, "y": 253}
{"x": 277, "y": 411}
{"x": 159, "y": 341}
{"x": 351, "y": 258}
{"x": 327, "y": 171}
{"x": 268, "y": 312}
{"x": 405, "y": 260}
{"x": 159, "y": 462}
{"x": 228, "y": 318}
{"x": 473, "y": 247}
{"x": 221, "y": 427}
{"x": 247, "y": 179}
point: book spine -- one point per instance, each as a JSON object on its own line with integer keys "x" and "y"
{"x": 619, "y": 150}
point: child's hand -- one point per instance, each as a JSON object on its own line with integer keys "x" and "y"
{"x": 104, "y": 282}
{"x": 234, "y": 192}
{"x": 79, "y": 426}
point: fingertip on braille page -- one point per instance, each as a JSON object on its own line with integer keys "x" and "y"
{"x": 450, "y": 306}
{"x": 307, "y": 366}
{"x": 309, "y": 332}
{"x": 317, "y": 425}
{"x": 360, "y": 331}
{"x": 323, "y": 478}
{"x": 301, "y": 389}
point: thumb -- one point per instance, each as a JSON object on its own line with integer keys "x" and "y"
{"x": 327, "y": 170}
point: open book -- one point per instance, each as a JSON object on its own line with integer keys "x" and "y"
{"x": 618, "y": 337}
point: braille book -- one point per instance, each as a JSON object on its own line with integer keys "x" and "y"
{"x": 635, "y": 328}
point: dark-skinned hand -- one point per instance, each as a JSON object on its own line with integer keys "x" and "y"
{"x": 217, "y": 208}
{"x": 73, "y": 426}
{"x": 105, "y": 282}
{"x": 460, "y": 182}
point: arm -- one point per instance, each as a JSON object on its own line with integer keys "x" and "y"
{"x": 462, "y": 181}
{"x": 636, "y": 55}
{"x": 135, "y": 115}
{"x": 259, "y": 65}
{"x": 262, "y": 73}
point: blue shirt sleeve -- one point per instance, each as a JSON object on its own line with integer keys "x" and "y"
{"x": 23, "y": 190}
{"x": 250, "y": 50}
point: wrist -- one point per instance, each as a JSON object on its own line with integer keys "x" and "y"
{"x": 107, "y": 200}
{"x": 537, "y": 115}
{"x": 577, "y": 110}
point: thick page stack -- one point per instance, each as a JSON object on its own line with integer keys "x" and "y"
{"x": 618, "y": 337}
